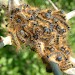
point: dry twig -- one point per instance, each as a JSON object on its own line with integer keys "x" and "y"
{"x": 53, "y": 5}
{"x": 70, "y": 15}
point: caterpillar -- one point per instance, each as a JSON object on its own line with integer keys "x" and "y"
{"x": 44, "y": 30}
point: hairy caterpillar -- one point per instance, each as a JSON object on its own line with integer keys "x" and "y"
{"x": 43, "y": 30}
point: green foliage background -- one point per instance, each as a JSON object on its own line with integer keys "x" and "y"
{"x": 27, "y": 62}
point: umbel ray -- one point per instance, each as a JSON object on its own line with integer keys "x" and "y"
{"x": 44, "y": 30}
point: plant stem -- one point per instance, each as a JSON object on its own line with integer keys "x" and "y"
{"x": 53, "y": 5}
{"x": 70, "y": 15}
{"x": 55, "y": 68}
{"x": 5, "y": 41}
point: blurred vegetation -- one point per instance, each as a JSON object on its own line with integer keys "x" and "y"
{"x": 26, "y": 62}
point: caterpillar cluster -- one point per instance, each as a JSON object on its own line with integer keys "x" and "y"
{"x": 43, "y": 30}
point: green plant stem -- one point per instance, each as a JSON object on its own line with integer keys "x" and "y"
{"x": 55, "y": 68}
